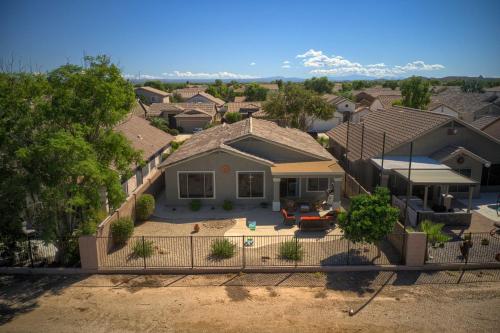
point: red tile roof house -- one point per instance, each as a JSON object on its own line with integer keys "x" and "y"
{"x": 153, "y": 95}
{"x": 250, "y": 162}
{"x": 469, "y": 157}
{"x": 151, "y": 141}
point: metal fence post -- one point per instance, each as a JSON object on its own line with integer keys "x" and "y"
{"x": 30, "y": 252}
{"x": 348, "y": 252}
{"x": 296, "y": 250}
{"x": 144, "y": 251}
{"x": 243, "y": 261}
{"x": 192, "y": 254}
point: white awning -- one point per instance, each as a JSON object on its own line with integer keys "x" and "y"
{"x": 402, "y": 162}
{"x": 435, "y": 177}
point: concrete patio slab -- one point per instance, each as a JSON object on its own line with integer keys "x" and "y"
{"x": 485, "y": 205}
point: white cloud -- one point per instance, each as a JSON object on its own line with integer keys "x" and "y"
{"x": 215, "y": 75}
{"x": 286, "y": 62}
{"x": 253, "y": 64}
{"x": 285, "y": 66}
{"x": 337, "y": 65}
{"x": 142, "y": 77}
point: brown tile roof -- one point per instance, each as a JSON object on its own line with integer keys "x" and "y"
{"x": 143, "y": 136}
{"x": 154, "y": 91}
{"x": 139, "y": 109}
{"x": 239, "y": 99}
{"x": 334, "y": 99}
{"x": 194, "y": 113}
{"x": 387, "y": 100}
{"x": 221, "y": 137}
{"x": 156, "y": 109}
{"x": 376, "y": 92}
{"x": 399, "y": 123}
{"x": 462, "y": 102}
{"x": 485, "y": 121}
{"x": 448, "y": 152}
{"x": 189, "y": 92}
{"x": 217, "y": 101}
{"x": 236, "y": 107}
{"x": 269, "y": 86}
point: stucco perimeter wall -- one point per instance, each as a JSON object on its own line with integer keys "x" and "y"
{"x": 413, "y": 244}
{"x": 225, "y": 167}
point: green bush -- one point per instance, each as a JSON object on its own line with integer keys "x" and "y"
{"x": 143, "y": 249}
{"x": 291, "y": 250}
{"x": 232, "y": 117}
{"x": 175, "y": 145}
{"x": 195, "y": 205}
{"x": 222, "y": 249}
{"x": 121, "y": 230}
{"x": 435, "y": 235}
{"x": 173, "y": 131}
{"x": 227, "y": 205}
{"x": 145, "y": 207}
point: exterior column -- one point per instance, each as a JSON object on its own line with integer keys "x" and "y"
{"x": 426, "y": 193}
{"x": 337, "y": 192}
{"x": 469, "y": 203}
{"x": 276, "y": 194}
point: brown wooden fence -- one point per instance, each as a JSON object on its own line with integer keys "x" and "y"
{"x": 352, "y": 187}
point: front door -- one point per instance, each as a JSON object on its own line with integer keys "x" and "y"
{"x": 289, "y": 187}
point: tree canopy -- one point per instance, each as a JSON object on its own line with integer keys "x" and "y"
{"x": 297, "y": 107}
{"x": 255, "y": 92}
{"x": 320, "y": 85}
{"x": 370, "y": 217}
{"x": 415, "y": 92}
{"x": 58, "y": 147}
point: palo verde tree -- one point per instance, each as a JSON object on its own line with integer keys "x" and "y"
{"x": 415, "y": 92}
{"x": 297, "y": 107}
{"x": 71, "y": 158}
{"x": 370, "y": 217}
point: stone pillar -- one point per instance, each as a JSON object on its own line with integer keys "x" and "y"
{"x": 276, "y": 194}
{"x": 88, "y": 252}
{"x": 337, "y": 192}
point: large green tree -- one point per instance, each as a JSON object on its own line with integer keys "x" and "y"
{"x": 255, "y": 92}
{"x": 57, "y": 141}
{"x": 415, "y": 92}
{"x": 320, "y": 85}
{"x": 297, "y": 107}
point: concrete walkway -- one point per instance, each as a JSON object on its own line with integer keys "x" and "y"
{"x": 485, "y": 205}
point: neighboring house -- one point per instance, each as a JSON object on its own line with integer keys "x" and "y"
{"x": 345, "y": 107}
{"x": 151, "y": 141}
{"x": 384, "y": 101}
{"x": 140, "y": 109}
{"x": 272, "y": 87}
{"x": 489, "y": 124}
{"x": 244, "y": 108}
{"x": 468, "y": 106}
{"x": 188, "y": 92}
{"x": 447, "y": 141}
{"x": 203, "y": 97}
{"x": 250, "y": 162}
{"x": 359, "y": 113}
{"x": 188, "y": 116}
{"x": 153, "y": 95}
{"x": 368, "y": 96}
{"x": 438, "y": 107}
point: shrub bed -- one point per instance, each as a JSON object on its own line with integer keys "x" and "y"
{"x": 145, "y": 207}
{"x": 291, "y": 250}
{"x": 222, "y": 249}
{"x": 121, "y": 230}
{"x": 143, "y": 249}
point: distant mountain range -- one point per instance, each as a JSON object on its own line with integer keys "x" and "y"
{"x": 298, "y": 79}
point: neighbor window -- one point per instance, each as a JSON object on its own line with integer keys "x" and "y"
{"x": 317, "y": 184}
{"x": 196, "y": 185}
{"x": 250, "y": 184}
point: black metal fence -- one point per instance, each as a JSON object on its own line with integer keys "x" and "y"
{"x": 245, "y": 251}
{"x": 35, "y": 252}
{"x": 465, "y": 248}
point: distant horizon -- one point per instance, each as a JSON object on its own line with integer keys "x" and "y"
{"x": 199, "y": 40}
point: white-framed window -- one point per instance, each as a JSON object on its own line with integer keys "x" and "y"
{"x": 196, "y": 184}
{"x": 250, "y": 185}
{"x": 317, "y": 184}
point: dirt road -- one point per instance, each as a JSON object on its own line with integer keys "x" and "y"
{"x": 385, "y": 301}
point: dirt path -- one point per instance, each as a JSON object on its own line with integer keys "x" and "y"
{"x": 416, "y": 302}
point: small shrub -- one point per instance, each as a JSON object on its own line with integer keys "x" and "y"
{"x": 196, "y": 228}
{"x": 291, "y": 250}
{"x": 195, "y": 205}
{"x": 485, "y": 242}
{"x": 145, "y": 207}
{"x": 175, "y": 145}
{"x": 173, "y": 131}
{"x": 143, "y": 249}
{"x": 180, "y": 129}
{"x": 227, "y": 205}
{"x": 122, "y": 229}
{"x": 222, "y": 249}
{"x": 232, "y": 117}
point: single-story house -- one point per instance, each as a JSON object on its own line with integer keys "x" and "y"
{"x": 344, "y": 106}
{"x": 368, "y": 96}
{"x": 384, "y": 101}
{"x": 250, "y": 162}
{"x": 188, "y": 92}
{"x": 489, "y": 124}
{"x": 203, "y": 97}
{"x": 444, "y": 139}
{"x": 188, "y": 116}
{"x": 468, "y": 106}
{"x": 151, "y": 141}
{"x": 152, "y": 95}
{"x": 244, "y": 108}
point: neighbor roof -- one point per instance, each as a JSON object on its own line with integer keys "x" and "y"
{"x": 451, "y": 151}
{"x": 376, "y": 92}
{"x": 214, "y": 99}
{"x": 143, "y": 136}
{"x": 462, "y": 102}
{"x": 334, "y": 99}
{"x": 387, "y": 100}
{"x": 189, "y": 92}
{"x": 307, "y": 168}
{"x": 236, "y": 107}
{"x": 435, "y": 177}
{"x": 400, "y": 124}
{"x": 154, "y": 91}
{"x": 156, "y": 109}
{"x": 221, "y": 137}
{"x": 485, "y": 121}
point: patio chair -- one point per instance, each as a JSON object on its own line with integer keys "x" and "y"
{"x": 288, "y": 218}
{"x": 315, "y": 223}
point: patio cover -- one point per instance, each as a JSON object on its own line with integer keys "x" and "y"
{"x": 435, "y": 177}
{"x": 402, "y": 162}
{"x": 316, "y": 168}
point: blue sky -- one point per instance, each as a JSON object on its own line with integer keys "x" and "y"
{"x": 245, "y": 39}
